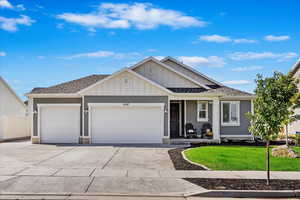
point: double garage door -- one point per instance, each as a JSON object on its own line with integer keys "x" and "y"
{"x": 108, "y": 123}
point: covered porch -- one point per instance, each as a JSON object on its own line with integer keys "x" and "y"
{"x": 195, "y": 120}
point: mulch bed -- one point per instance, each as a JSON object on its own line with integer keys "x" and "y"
{"x": 244, "y": 184}
{"x": 178, "y": 161}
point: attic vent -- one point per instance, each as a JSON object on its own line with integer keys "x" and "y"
{"x": 126, "y": 80}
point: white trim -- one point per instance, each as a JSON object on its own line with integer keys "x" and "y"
{"x": 129, "y": 71}
{"x": 169, "y": 121}
{"x": 228, "y": 98}
{"x": 191, "y": 69}
{"x": 250, "y": 136}
{"x": 216, "y": 119}
{"x": 126, "y": 104}
{"x": 238, "y": 113}
{"x": 58, "y": 104}
{"x": 49, "y": 95}
{"x": 31, "y": 115}
{"x": 252, "y": 107}
{"x": 200, "y": 98}
{"x": 82, "y": 119}
{"x": 39, "y": 106}
{"x": 184, "y": 118}
{"x": 169, "y": 68}
{"x": 12, "y": 91}
{"x": 206, "y": 111}
{"x": 180, "y": 117}
{"x": 90, "y": 123}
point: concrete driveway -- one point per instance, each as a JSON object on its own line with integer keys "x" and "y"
{"x": 88, "y": 169}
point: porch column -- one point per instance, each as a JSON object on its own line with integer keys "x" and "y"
{"x": 216, "y": 119}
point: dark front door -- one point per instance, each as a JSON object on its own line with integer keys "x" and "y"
{"x": 174, "y": 120}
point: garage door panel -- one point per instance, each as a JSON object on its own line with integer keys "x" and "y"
{"x": 60, "y": 124}
{"x": 127, "y": 124}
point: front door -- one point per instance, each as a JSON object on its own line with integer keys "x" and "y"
{"x": 174, "y": 120}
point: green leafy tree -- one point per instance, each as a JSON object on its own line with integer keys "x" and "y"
{"x": 272, "y": 107}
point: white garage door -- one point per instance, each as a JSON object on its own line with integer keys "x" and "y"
{"x": 59, "y": 123}
{"x": 133, "y": 123}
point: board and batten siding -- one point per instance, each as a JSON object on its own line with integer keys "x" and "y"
{"x": 245, "y": 106}
{"x": 188, "y": 73}
{"x": 125, "y": 84}
{"x": 124, "y": 99}
{"x": 163, "y": 76}
{"x": 37, "y": 101}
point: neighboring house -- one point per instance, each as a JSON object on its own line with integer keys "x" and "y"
{"x": 13, "y": 120}
{"x": 149, "y": 102}
{"x": 295, "y": 126}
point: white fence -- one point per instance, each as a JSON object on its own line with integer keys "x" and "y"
{"x": 14, "y": 127}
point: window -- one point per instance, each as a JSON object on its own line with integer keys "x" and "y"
{"x": 230, "y": 113}
{"x": 202, "y": 111}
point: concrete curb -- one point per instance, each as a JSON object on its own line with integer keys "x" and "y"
{"x": 185, "y": 158}
{"x": 250, "y": 193}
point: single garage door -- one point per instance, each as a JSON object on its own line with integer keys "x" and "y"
{"x": 127, "y": 123}
{"x": 59, "y": 123}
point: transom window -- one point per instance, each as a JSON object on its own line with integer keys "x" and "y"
{"x": 202, "y": 111}
{"x": 230, "y": 113}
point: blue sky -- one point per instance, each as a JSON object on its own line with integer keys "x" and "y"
{"x": 43, "y": 43}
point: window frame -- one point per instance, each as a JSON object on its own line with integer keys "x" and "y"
{"x": 231, "y": 123}
{"x": 200, "y": 109}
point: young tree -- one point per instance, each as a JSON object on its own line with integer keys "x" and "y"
{"x": 274, "y": 98}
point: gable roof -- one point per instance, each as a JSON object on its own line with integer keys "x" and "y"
{"x": 295, "y": 67}
{"x": 169, "y": 68}
{"x": 121, "y": 71}
{"x": 78, "y": 86}
{"x": 69, "y": 87}
{"x": 12, "y": 91}
{"x": 190, "y": 69}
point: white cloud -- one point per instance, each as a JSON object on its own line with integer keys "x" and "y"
{"x": 139, "y": 15}
{"x": 159, "y": 57}
{"x": 103, "y": 54}
{"x": 41, "y": 57}
{"x": 5, "y": 4}
{"x": 215, "y": 38}
{"x": 237, "y": 82}
{"x": 273, "y": 38}
{"x": 249, "y": 68}
{"x": 152, "y": 50}
{"x": 20, "y": 7}
{"x": 263, "y": 55}
{"x": 2, "y": 53}
{"x": 244, "y": 40}
{"x": 11, "y": 24}
{"x": 60, "y": 26}
{"x": 222, "y": 39}
{"x": 197, "y": 61}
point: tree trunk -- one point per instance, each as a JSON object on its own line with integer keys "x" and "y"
{"x": 268, "y": 161}
{"x": 286, "y": 135}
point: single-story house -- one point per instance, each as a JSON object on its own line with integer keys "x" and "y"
{"x": 150, "y": 102}
{"x": 13, "y": 114}
{"x": 295, "y": 126}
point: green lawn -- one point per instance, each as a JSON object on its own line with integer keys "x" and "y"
{"x": 240, "y": 158}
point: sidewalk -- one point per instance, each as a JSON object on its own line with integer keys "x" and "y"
{"x": 138, "y": 173}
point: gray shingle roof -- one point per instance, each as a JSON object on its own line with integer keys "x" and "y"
{"x": 79, "y": 84}
{"x": 71, "y": 86}
{"x": 227, "y": 91}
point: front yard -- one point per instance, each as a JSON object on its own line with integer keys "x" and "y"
{"x": 240, "y": 158}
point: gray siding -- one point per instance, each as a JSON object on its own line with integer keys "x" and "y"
{"x": 191, "y": 114}
{"x": 124, "y": 99}
{"x": 245, "y": 106}
{"x": 52, "y": 101}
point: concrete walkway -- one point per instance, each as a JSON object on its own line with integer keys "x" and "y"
{"x": 140, "y": 173}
